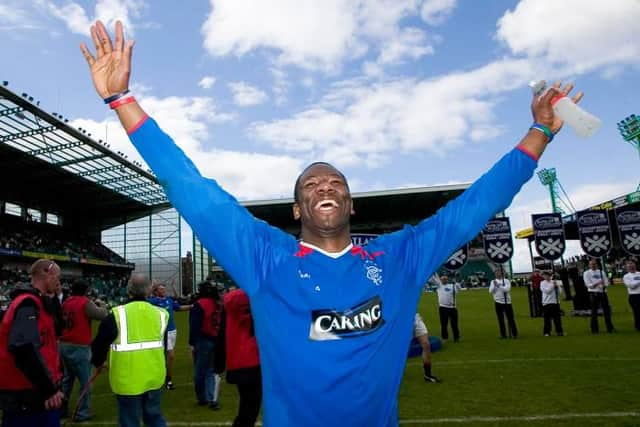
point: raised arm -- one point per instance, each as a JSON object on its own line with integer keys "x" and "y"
{"x": 463, "y": 218}
{"x": 239, "y": 242}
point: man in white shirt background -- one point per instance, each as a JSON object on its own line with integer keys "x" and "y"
{"x": 596, "y": 282}
{"x": 551, "y": 290}
{"x": 632, "y": 281}
{"x": 448, "y": 310}
{"x": 500, "y": 288}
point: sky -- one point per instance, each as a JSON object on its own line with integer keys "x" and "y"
{"x": 396, "y": 93}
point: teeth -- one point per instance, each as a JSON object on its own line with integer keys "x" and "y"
{"x": 326, "y": 204}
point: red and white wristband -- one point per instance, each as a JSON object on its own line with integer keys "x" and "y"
{"x": 122, "y": 101}
{"x": 119, "y": 99}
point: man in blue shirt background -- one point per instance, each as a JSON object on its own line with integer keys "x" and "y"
{"x": 160, "y": 299}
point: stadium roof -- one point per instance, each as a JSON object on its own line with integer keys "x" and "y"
{"x": 377, "y": 212}
{"x": 56, "y": 168}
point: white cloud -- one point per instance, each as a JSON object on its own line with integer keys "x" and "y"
{"x": 319, "y": 35}
{"x": 359, "y": 122}
{"x": 373, "y": 70}
{"x": 13, "y": 16}
{"x": 303, "y": 32}
{"x": 108, "y": 11}
{"x": 380, "y": 28}
{"x": 245, "y": 95}
{"x": 280, "y": 87}
{"x": 207, "y": 82}
{"x": 577, "y": 35}
{"x": 435, "y": 12}
{"x": 241, "y": 173}
{"x": 409, "y": 43}
{"x": 592, "y": 194}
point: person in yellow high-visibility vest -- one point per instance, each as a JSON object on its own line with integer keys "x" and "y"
{"x": 136, "y": 335}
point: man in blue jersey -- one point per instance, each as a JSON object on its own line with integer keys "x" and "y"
{"x": 333, "y": 320}
{"x": 160, "y": 299}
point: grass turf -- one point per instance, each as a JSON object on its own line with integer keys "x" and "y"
{"x": 576, "y": 380}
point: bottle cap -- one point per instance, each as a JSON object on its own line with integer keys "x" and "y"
{"x": 537, "y": 87}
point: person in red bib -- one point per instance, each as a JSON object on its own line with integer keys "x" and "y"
{"x": 29, "y": 363}
{"x": 242, "y": 358}
{"x": 204, "y": 325}
{"x": 75, "y": 344}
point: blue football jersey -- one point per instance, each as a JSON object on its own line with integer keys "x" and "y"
{"x": 333, "y": 329}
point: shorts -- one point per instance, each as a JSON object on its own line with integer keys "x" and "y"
{"x": 171, "y": 339}
{"x": 419, "y": 328}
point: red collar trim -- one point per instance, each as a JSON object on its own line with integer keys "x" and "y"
{"x": 303, "y": 251}
{"x": 359, "y": 250}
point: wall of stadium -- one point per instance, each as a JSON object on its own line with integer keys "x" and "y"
{"x": 152, "y": 243}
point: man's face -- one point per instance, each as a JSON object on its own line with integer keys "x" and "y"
{"x": 444, "y": 280}
{"x": 592, "y": 264}
{"x": 631, "y": 266}
{"x": 324, "y": 204}
{"x": 53, "y": 279}
{"x": 498, "y": 274}
{"x": 161, "y": 291}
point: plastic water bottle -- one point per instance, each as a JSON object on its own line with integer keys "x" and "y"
{"x": 582, "y": 122}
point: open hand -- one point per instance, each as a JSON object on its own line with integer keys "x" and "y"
{"x": 111, "y": 67}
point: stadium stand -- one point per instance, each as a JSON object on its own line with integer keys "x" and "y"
{"x": 66, "y": 189}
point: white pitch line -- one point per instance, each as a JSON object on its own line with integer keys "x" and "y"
{"x": 457, "y": 420}
{"x": 530, "y": 359}
{"x": 464, "y": 420}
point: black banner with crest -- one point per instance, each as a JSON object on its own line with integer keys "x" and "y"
{"x": 628, "y": 220}
{"x": 594, "y": 232}
{"x": 549, "y": 235}
{"x": 497, "y": 242}
{"x": 458, "y": 259}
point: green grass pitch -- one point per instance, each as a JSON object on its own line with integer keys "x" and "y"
{"x": 576, "y": 380}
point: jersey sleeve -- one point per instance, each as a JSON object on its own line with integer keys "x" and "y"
{"x": 238, "y": 241}
{"x": 432, "y": 241}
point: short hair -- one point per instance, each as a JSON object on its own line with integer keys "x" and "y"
{"x": 296, "y": 192}
{"x": 207, "y": 289}
{"x": 79, "y": 287}
{"x": 41, "y": 266}
{"x": 139, "y": 286}
{"x": 156, "y": 286}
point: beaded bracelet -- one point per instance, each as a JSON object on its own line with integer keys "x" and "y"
{"x": 543, "y": 129}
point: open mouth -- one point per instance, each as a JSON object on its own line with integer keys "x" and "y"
{"x": 326, "y": 205}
